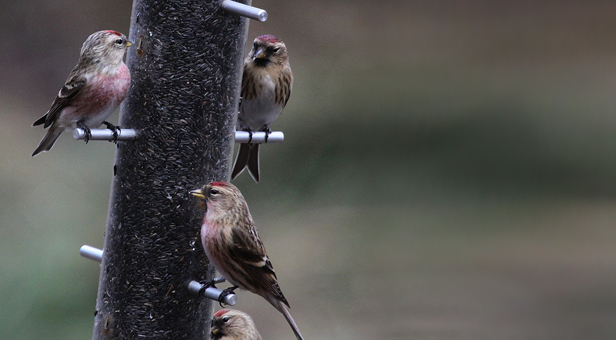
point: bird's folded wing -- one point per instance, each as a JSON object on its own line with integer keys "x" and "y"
{"x": 249, "y": 251}
{"x": 72, "y": 87}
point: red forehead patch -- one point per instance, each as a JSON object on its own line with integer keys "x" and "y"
{"x": 269, "y": 38}
{"x": 219, "y": 184}
{"x": 114, "y": 32}
{"x": 220, "y": 313}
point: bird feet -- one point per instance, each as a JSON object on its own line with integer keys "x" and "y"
{"x": 86, "y": 129}
{"x": 115, "y": 130}
{"x": 267, "y": 131}
{"x": 224, "y": 294}
{"x": 212, "y": 283}
{"x": 250, "y": 132}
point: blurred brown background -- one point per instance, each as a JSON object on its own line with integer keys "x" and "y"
{"x": 448, "y": 171}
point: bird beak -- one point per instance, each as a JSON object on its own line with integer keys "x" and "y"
{"x": 215, "y": 331}
{"x": 197, "y": 193}
{"x": 128, "y": 43}
{"x": 260, "y": 53}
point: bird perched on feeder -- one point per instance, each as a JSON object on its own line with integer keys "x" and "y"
{"x": 233, "y": 246}
{"x": 266, "y": 87}
{"x": 95, "y": 87}
{"x": 231, "y": 324}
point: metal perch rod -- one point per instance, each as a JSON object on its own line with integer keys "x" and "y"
{"x": 244, "y": 10}
{"x": 105, "y": 134}
{"x": 212, "y": 293}
{"x": 259, "y": 137}
{"x": 91, "y": 253}
{"x": 130, "y": 134}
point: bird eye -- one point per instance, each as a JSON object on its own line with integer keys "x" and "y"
{"x": 214, "y": 192}
{"x": 225, "y": 318}
{"x": 119, "y": 41}
{"x": 276, "y": 49}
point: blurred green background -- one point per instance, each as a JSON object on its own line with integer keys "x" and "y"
{"x": 447, "y": 173}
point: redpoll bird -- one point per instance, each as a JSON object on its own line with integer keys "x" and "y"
{"x": 95, "y": 87}
{"x": 230, "y": 324}
{"x": 266, "y": 88}
{"x": 233, "y": 246}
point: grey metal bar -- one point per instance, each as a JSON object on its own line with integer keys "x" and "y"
{"x": 245, "y": 10}
{"x": 105, "y": 134}
{"x": 212, "y": 293}
{"x": 91, "y": 253}
{"x": 259, "y": 137}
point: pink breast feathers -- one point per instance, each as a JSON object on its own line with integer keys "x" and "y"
{"x": 96, "y": 104}
{"x": 111, "y": 89}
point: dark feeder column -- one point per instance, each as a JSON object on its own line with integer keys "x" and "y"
{"x": 186, "y": 73}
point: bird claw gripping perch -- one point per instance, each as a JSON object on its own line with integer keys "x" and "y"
{"x": 226, "y": 292}
{"x": 224, "y": 295}
{"x": 86, "y": 129}
{"x": 115, "y": 129}
{"x": 212, "y": 283}
{"x": 212, "y": 293}
{"x": 267, "y": 131}
{"x": 249, "y": 133}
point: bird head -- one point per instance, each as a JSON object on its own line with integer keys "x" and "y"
{"x": 213, "y": 191}
{"x": 221, "y": 199}
{"x": 104, "y": 47}
{"x": 268, "y": 49}
{"x": 233, "y": 324}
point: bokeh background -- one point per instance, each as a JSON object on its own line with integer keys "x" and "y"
{"x": 449, "y": 171}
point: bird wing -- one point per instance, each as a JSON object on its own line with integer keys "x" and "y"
{"x": 248, "y": 250}
{"x": 249, "y": 90}
{"x": 286, "y": 85}
{"x": 70, "y": 89}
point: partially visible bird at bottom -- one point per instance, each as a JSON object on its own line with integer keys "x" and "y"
{"x": 232, "y": 324}
{"x": 267, "y": 82}
{"x": 95, "y": 87}
{"x": 233, "y": 246}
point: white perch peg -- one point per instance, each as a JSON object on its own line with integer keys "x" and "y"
{"x": 212, "y": 293}
{"x": 91, "y": 253}
{"x": 106, "y": 134}
{"x": 259, "y": 137}
{"x": 245, "y": 10}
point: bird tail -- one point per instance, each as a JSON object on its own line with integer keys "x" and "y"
{"x": 40, "y": 120}
{"x": 50, "y": 138}
{"x": 247, "y": 157}
{"x": 285, "y": 311}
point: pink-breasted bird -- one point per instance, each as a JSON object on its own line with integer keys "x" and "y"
{"x": 233, "y": 246}
{"x": 95, "y": 87}
{"x": 266, "y": 87}
{"x": 232, "y": 324}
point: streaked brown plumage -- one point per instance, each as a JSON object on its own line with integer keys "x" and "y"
{"x": 233, "y": 246}
{"x": 267, "y": 81}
